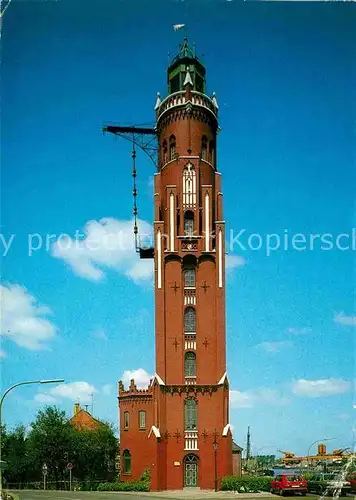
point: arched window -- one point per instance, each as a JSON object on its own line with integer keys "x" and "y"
{"x": 172, "y": 147}
{"x": 189, "y": 223}
{"x": 204, "y": 147}
{"x": 190, "y": 364}
{"x": 127, "y": 462}
{"x": 190, "y": 415}
{"x": 164, "y": 152}
{"x": 142, "y": 419}
{"x": 189, "y": 277}
{"x": 126, "y": 420}
{"x": 211, "y": 151}
{"x": 189, "y": 320}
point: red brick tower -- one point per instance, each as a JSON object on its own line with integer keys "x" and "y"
{"x": 179, "y": 427}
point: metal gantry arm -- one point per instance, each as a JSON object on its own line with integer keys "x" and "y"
{"x": 146, "y": 139}
{"x": 143, "y": 137}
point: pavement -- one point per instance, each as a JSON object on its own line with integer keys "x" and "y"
{"x": 173, "y": 495}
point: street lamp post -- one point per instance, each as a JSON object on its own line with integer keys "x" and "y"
{"x": 215, "y": 446}
{"x": 54, "y": 381}
{"x": 317, "y": 441}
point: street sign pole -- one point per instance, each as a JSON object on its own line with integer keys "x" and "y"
{"x": 44, "y": 472}
{"x": 70, "y": 467}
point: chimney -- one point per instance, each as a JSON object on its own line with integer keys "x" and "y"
{"x": 76, "y": 408}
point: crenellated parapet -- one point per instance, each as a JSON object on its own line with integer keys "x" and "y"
{"x": 133, "y": 392}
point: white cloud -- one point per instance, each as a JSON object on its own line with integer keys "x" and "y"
{"x": 22, "y": 320}
{"x": 74, "y": 390}
{"x": 234, "y": 261}
{"x": 299, "y": 331}
{"x": 141, "y": 377}
{"x": 345, "y": 320}
{"x": 240, "y": 399}
{"x": 107, "y": 389}
{"x": 271, "y": 397}
{"x": 320, "y": 388}
{"x": 44, "y": 398}
{"x": 255, "y": 397}
{"x": 344, "y": 416}
{"x": 106, "y": 244}
{"x": 100, "y": 334}
{"x": 274, "y": 347}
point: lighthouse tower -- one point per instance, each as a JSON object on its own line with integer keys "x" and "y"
{"x": 179, "y": 426}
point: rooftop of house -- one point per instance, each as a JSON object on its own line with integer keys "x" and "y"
{"x": 83, "y": 420}
{"x": 236, "y": 448}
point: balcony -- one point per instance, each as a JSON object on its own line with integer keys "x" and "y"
{"x": 191, "y": 440}
{"x": 190, "y": 296}
{"x": 190, "y": 343}
{"x": 179, "y": 99}
{"x": 189, "y": 243}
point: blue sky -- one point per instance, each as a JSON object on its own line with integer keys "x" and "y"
{"x": 284, "y": 77}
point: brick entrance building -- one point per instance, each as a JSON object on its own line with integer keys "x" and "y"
{"x": 179, "y": 426}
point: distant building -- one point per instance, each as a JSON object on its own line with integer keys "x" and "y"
{"x": 236, "y": 459}
{"x": 82, "y": 420}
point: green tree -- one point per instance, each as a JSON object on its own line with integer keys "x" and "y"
{"x": 95, "y": 453}
{"x": 50, "y": 442}
{"x": 15, "y": 454}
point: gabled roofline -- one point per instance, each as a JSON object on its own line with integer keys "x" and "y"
{"x": 158, "y": 379}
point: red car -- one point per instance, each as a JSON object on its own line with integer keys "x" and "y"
{"x": 286, "y": 483}
{"x": 351, "y": 478}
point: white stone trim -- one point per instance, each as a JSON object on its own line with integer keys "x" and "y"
{"x": 171, "y": 220}
{"x": 226, "y": 430}
{"x": 155, "y": 431}
{"x": 190, "y": 345}
{"x": 223, "y": 378}
{"x": 159, "y": 380}
{"x": 159, "y": 259}
{"x": 190, "y": 300}
{"x": 207, "y": 222}
{"x": 191, "y": 441}
{"x": 220, "y": 243}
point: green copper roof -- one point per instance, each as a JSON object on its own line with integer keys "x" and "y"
{"x": 186, "y": 52}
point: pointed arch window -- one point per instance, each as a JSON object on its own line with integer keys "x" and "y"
{"x": 164, "y": 152}
{"x": 189, "y": 277}
{"x": 189, "y": 186}
{"x": 190, "y": 415}
{"x": 204, "y": 147}
{"x": 127, "y": 462}
{"x": 211, "y": 151}
{"x": 190, "y": 365}
{"x": 189, "y": 320}
{"x": 126, "y": 420}
{"x": 189, "y": 223}
{"x": 172, "y": 147}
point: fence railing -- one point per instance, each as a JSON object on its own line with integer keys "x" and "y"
{"x": 55, "y": 485}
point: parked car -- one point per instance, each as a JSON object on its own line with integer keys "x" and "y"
{"x": 289, "y": 483}
{"x": 328, "y": 483}
{"x": 351, "y": 478}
